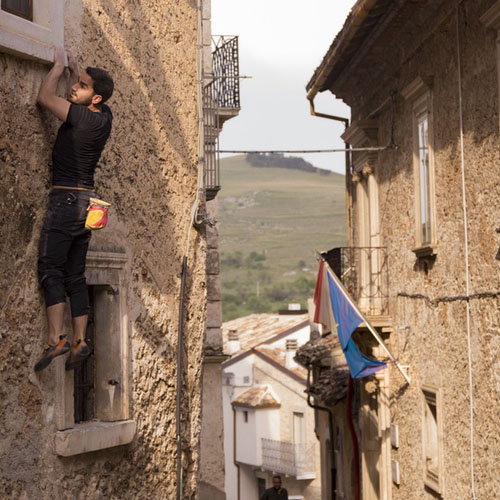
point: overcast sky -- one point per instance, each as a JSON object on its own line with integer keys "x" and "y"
{"x": 281, "y": 44}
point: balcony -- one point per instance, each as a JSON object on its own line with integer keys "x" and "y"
{"x": 221, "y": 101}
{"x": 289, "y": 458}
{"x": 364, "y": 273}
{"x": 226, "y": 73}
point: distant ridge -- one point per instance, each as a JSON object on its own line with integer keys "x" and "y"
{"x": 280, "y": 161}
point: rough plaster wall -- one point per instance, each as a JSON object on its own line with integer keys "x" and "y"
{"x": 432, "y": 339}
{"x": 149, "y": 174}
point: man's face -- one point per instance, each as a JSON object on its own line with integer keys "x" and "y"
{"x": 82, "y": 91}
{"x": 277, "y": 483}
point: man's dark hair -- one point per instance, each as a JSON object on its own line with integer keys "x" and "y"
{"x": 277, "y": 476}
{"x": 103, "y": 83}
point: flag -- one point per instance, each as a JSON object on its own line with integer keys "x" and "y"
{"x": 335, "y": 311}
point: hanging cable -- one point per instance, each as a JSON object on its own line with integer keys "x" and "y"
{"x": 466, "y": 252}
{"x": 303, "y": 151}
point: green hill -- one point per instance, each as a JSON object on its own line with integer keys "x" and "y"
{"x": 271, "y": 221}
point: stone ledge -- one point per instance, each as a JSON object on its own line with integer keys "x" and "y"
{"x": 93, "y": 436}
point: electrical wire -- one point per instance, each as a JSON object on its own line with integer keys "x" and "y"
{"x": 303, "y": 151}
{"x": 466, "y": 252}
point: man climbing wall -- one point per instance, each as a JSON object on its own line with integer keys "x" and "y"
{"x": 64, "y": 239}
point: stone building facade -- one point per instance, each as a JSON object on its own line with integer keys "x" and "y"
{"x": 422, "y": 82}
{"x": 123, "y": 444}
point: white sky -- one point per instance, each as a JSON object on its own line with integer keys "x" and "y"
{"x": 281, "y": 43}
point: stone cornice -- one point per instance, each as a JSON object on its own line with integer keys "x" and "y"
{"x": 417, "y": 87}
{"x": 361, "y": 133}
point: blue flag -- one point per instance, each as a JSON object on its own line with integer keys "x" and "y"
{"x": 347, "y": 320}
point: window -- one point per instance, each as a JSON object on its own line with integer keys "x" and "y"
{"x": 245, "y": 417}
{"x": 84, "y": 386}
{"x": 246, "y": 379}
{"x": 261, "y": 486}
{"x": 21, "y": 8}
{"x": 298, "y": 428}
{"x": 422, "y": 154}
{"x": 92, "y": 410}
{"x": 30, "y": 28}
{"x": 432, "y": 439}
{"x": 419, "y": 94}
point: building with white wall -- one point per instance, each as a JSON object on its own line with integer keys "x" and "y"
{"x": 268, "y": 425}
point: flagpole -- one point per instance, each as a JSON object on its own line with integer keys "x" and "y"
{"x": 370, "y": 327}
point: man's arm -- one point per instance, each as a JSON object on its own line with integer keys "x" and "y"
{"x": 74, "y": 72}
{"x": 47, "y": 97}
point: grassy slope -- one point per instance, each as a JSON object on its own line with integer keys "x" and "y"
{"x": 284, "y": 213}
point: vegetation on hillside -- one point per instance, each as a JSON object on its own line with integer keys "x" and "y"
{"x": 270, "y": 223}
{"x": 279, "y": 160}
{"x": 258, "y": 291}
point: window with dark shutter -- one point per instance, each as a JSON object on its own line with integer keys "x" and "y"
{"x": 21, "y": 8}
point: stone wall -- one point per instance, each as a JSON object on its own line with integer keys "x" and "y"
{"x": 148, "y": 171}
{"x": 432, "y": 337}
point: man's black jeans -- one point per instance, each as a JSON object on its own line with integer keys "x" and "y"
{"x": 64, "y": 242}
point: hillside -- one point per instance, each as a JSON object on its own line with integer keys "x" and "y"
{"x": 271, "y": 220}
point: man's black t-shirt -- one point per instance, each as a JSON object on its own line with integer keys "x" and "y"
{"x": 272, "y": 494}
{"x": 79, "y": 144}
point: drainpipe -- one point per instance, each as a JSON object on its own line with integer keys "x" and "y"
{"x": 330, "y": 425}
{"x": 234, "y": 455}
{"x": 348, "y": 182}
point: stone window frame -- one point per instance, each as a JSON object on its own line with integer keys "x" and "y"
{"x": 419, "y": 94}
{"x": 432, "y": 397}
{"x": 33, "y": 39}
{"x": 112, "y": 426}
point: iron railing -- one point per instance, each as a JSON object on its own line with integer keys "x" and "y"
{"x": 222, "y": 93}
{"x": 364, "y": 273}
{"x": 211, "y": 170}
{"x": 288, "y": 458}
{"x": 226, "y": 71}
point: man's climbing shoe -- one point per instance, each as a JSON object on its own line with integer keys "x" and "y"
{"x": 52, "y": 351}
{"x": 80, "y": 351}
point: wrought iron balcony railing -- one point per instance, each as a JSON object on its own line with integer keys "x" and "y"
{"x": 226, "y": 71}
{"x": 211, "y": 170}
{"x": 364, "y": 273}
{"x": 221, "y": 101}
{"x": 289, "y": 458}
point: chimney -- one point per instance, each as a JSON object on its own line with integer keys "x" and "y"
{"x": 291, "y": 348}
{"x": 233, "y": 343}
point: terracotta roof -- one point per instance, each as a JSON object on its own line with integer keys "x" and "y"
{"x": 279, "y": 356}
{"x": 255, "y": 329}
{"x": 258, "y": 396}
{"x": 331, "y": 386}
{"x": 321, "y": 351}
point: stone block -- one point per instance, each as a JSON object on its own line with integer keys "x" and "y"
{"x": 213, "y": 266}
{"x": 213, "y": 287}
{"x": 214, "y": 314}
{"x": 212, "y": 234}
{"x": 213, "y": 338}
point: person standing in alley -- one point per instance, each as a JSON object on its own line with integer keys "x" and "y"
{"x": 276, "y": 492}
{"x": 64, "y": 239}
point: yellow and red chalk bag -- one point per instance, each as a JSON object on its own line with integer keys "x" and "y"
{"x": 97, "y": 214}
